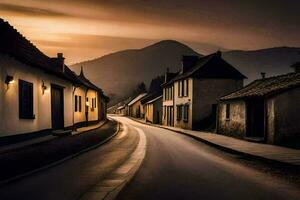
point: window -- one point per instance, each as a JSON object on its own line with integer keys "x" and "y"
{"x": 179, "y": 88}
{"x": 80, "y": 103}
{"x": 179, "y": 112}
{"x": 186, "y": 113}
{"x": 165, "y": 111}
{"x": 186, "y": 88}
{"x": 76, "y": 103}
{"x": 25, "y": 100}
{"x": 182, "y": 87}
{"x": 227, "y": 111}
{"x": 95, "y": 102}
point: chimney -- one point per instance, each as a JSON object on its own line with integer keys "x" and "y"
{"x": 61, "y": 61}
{"x": 263, "y": 75}
{"x": 166, "y": 74}
{"x": 188, "y": 62}
{"x": 219, "y": 54}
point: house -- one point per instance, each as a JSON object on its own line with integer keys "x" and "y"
{"x": 152, "y": 102}
{"x": 36, "y": 91}
{"x": 89, "y": 101}
{"x": 168, "y": 99}
{"x": 265, "y": 110}
{"x": 135, "y": 108}
{"x": 190, "y": 98}
{"x": 121, "y": 110}
{"x": 153, "y": 110}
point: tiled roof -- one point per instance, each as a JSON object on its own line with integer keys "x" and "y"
{"x": 86, "y": 82}
{"x": 153, "y": 100}
{"x": 151, "y": 96}
{"x": 140, "y": 96}
{"x": 266, "y": 86}
{"x": 17, "y": 46}
{"x": 210, "y": 66}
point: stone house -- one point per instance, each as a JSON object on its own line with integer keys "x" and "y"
{"x": 196, "y": 88}
{"x": 135, "y": 108}
{"x": 36, "y": 91}
{"x": 265, "y": 110}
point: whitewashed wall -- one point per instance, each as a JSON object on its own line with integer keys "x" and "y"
{"x": 9, "y": 103}
{"x": 93, "y": 114}
{"x": 80, "y": 116}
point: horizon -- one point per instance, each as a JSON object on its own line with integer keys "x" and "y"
{"x": 85, "y": 30}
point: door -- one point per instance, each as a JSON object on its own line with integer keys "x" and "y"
{"x": 255, "y": 118}
{"x": 57, "y": 107}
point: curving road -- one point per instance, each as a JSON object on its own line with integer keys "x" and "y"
{"x": 178, "y": 167}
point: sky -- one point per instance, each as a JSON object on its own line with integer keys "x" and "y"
{"x": 87, "y": 29}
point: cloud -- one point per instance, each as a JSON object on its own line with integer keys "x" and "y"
{"x": 31, "y": 11}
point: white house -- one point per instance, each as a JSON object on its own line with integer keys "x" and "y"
{"x": 36, "y": 91}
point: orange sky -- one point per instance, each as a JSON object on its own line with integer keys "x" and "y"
{"x": 85, "y": 29}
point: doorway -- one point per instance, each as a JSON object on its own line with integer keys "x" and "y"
{"x": 57, "y": 107}
{"x": 256, "y": 118}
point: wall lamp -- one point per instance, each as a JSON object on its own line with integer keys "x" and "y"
{"x": 9, "y": 79}
{"x": 44, "y": 88}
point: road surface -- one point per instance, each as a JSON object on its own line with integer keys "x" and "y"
{"x": 178, "y": 167}
{"x": 73, "y": 178}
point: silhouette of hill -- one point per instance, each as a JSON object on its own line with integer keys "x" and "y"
{"x": 118, "y": 73}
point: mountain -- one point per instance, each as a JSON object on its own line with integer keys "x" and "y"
{"x": 273, "y": 61}
{"x": 118, "y": 73}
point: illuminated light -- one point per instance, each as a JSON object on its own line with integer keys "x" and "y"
{"x": 9, "y": 80}
{"x": 87, "y": 103}
{"x": 44, "y": 88}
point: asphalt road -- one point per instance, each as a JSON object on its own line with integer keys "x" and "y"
{"x": 178, "y": 167}
{"x": 71, "y": 179}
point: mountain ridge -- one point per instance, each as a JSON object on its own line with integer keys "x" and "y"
{"x": 119, "y": 72}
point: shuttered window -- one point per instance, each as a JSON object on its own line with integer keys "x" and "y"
{"x": 25, "y": 100}
{"x": 186, "y": 112}
{"x": 76, "y": 103}
{"x": 179, "y": 112}
{"x": 227, "y": 111}
{"x": 79, "y": 103}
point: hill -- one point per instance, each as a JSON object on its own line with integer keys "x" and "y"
{"x": 118, "y": 73}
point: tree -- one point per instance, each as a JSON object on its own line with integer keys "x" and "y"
{"x": 140, "y": 88}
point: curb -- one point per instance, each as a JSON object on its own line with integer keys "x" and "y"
{"x": 225, "y": 149}
{"x": 78, "y": 133}
{"x": 61, "y": 160}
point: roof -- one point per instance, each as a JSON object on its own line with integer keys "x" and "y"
{"x": 155, "y": 99}
{"x": 210, "y": 66}
{"x": 86, "y": 82}
{"x": 151, "y": 96}
{"x": 140, "y": 96}
{"x": 121, "y": 107}
{"x": 16, "y": 45}
{"x": 266, "y": 86}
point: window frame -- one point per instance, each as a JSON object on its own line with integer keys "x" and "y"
{"x": 26, "y": 111}
{"x": 186, "y": 112}
{"x": 227, "y": 111}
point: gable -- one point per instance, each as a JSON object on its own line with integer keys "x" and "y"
{"x": 217, "y": 67}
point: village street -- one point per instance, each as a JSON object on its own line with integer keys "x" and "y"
{"x": 175, "y": 167}
{"x": 178, "y": 167}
